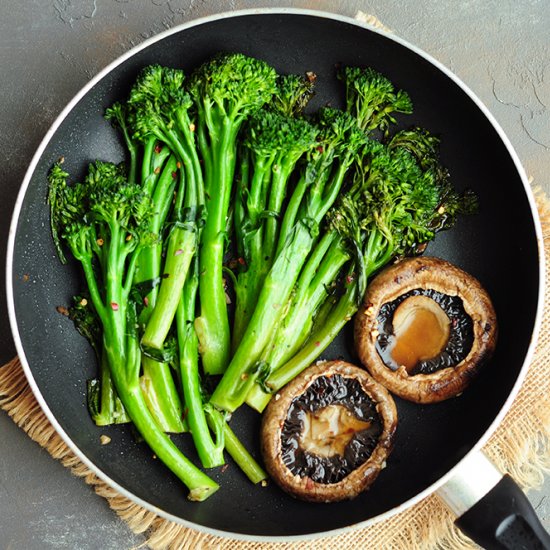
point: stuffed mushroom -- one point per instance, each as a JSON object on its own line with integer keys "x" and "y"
{"x": 425, "y": 329}
{"x": 327, "y": 434}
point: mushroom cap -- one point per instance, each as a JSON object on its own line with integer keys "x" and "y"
{"x": 359, "y": 479}
{"x": 444, "y": 277}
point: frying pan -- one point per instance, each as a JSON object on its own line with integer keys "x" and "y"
{"x": 437, "y": 445}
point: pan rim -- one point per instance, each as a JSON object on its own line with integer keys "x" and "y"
{"x": 123, "y": 58}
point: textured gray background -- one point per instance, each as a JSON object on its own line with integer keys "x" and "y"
{"x": 50, "y": 49}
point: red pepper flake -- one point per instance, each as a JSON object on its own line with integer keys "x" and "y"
{"x": 309, "y": 483}
{"x": 146, "y": 301}
{"x": 178, "y": 252}
{"x": 178, "y": 165}
{"x": 25, "y": 277}
{"x": 317, "y": 344}
{"x": 158, "y": 148}
{"x": 114, "y": 306}
{"x": 174, "y": 175}
{"x": 63, "y": 310}
{"x": 241, "y": 261}
{"x": 350, "y": 278}
{"x": 184, "y": 413}
{"x": 320, "y": 148}
{"x": 157, "y": 170}
{"x": 224, "y": 468}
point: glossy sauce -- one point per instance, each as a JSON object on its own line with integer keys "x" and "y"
{"x": 459, "y": 341}
{"x": 421, "y": 331}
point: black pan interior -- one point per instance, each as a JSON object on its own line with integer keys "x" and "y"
{"x": 498, "y": 246}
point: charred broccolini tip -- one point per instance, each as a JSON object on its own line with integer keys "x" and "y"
{"x": 293, "y": 93}
{"x": 371, "y": 98}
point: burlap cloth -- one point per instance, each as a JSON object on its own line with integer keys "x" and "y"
{"x": 520, "y": 446}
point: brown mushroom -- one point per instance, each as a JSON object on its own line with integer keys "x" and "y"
{"x": 327, "y": 434}
{"x": 425, "y": 329}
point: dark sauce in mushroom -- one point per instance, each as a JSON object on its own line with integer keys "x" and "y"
{"x": 460, "y": 340}
{"x": 324, "y": 392}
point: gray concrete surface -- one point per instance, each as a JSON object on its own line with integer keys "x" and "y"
{"x": 50, "y": 48}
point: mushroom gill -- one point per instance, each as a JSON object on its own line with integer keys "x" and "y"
{"x": 425, "y": 329}
{"x": 327, "y": 434}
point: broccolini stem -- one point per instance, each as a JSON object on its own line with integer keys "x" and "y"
{"x": 149, "y": 264}
{"x": 110, "y": 410}
{"x": 277, "y": 191}
{"x": 315, "y": 345}
{"x": 124, "y": 363}
{"x": 247, "y": 290}
{"x": 213, "y": 324}
{"x": 161, "y": 395}
{"x": 91, "y": 281}
{"x": 181, "y": 249}
{"x": 182, "y": 244}
{"x": 244, "y": 460}
{"x": 263, "y": 242}
{"x": 310, "y": 294}
{"x": 242, "y": 371}
{"x": 291, "y": 212}
{"x": 157, "y": 382}
{"x": 239, "y": 211}
{"x": 210, "y": 452}
{"x": 250, "y": 280}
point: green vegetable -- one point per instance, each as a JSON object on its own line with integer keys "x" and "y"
{"x": 400, "y": 197}
{"x": 253, "y": 471}
{"x": 226, "y": 90}
{"x": 317, "y": 205}
{"x": 161, "y": 109}
{"x": 292, "y": 94}
{"x": 158, "y": 180}
{"x": 103, "y": 403}
{"x": 273, "y": 144}
{"x": 371, "y": 98}
{"x": 105, "y": 224}
{"x": 210, "y": 452}
{"x": 315, "y": 192}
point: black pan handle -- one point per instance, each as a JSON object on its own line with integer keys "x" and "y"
{"x": 504, "y": 519}
{"x": 491, "y": 508}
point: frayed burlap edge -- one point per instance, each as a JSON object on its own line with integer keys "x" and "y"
{"x": 520, "y": 446}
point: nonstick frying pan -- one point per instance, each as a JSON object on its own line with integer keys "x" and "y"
{"x": 436, "y": 444}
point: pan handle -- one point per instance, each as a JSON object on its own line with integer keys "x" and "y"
{"x": 491, "y": 508}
